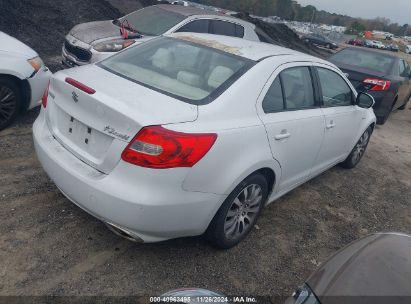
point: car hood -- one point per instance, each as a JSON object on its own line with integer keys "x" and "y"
{"x": 12, "y": 45}
{"x": 97, "y": 30}
{"x": 377, "y": 265}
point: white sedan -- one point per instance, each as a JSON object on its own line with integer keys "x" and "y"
{"x": 23, "y": 79}
{"x": 194, "y": 133}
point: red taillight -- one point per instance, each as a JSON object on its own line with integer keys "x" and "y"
{"x": 159, "y": 148}
{"x": 378, "y": 84}
{"x": 45, "y": 96}
{"x": 80, "y": 86}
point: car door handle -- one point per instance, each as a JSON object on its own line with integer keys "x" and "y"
{"x": 282, "y": 136}
{"x": 330, "y": 125}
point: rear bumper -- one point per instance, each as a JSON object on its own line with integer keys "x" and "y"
{"x": 147, "y": 204}
{"x": 383, "y": 102}
{"x": 38, "y": 84}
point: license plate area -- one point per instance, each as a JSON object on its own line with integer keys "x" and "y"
{"x": 85, "y": 141}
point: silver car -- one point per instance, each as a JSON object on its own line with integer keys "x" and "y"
{"x": 93, "y": 41}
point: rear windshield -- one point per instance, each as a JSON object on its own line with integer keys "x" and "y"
{"x": 190, "y": 72}
{"x": 369, "y": 60}
{"x": 152, "y": 20}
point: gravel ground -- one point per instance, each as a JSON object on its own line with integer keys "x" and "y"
{"x": 50, "y": 247}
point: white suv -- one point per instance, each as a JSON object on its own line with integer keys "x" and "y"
{"x": 194, "y": 133}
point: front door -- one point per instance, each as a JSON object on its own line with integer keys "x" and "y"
{"x": 342, "y": 119}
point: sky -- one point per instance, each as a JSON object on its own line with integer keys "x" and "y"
{"x": 396, "y": 10}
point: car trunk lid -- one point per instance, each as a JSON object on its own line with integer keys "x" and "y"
{"x": 358, "y": 74}
{"x": 97, "y": 127}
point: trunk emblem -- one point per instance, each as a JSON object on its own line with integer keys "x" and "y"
{"x": 74, "y": 96}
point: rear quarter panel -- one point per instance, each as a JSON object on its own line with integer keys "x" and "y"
{"x": 242, "y": 145}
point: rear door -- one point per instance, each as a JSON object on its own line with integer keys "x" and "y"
{"x": 342, "y": 117}
{"x": 293, "y": 120}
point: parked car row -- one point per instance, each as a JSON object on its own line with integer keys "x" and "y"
{"x": 374, "y": 44}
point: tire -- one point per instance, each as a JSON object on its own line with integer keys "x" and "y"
{"x": 381, "y": 120}
{"x": 225, "y": 230}
{"x": 10, "y": 102}
{"x": 404, "y": 105}
{"x": 358, "y": 151}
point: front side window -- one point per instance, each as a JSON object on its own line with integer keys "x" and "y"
{"x": 152, "y": 20}
{"x": 298, "y": 88}
{"x": 190, "y": 72}
{"x": 196, "y": 26}
{"x": 335, "y": 91}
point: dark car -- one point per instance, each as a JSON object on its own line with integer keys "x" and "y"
{"x": 384, "y": 76}
{"x": 356, "y": 42}
{"x": 373, "y": 270}
{"x": 393, "y": 47}
{"x": 320, "y": 40}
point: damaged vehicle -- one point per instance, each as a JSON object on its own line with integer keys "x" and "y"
{"x": 23, "y": 79}
{"x": 93, "y": 41}
{"x": 169, "y": 139}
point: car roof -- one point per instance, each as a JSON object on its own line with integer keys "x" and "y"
{"x": 241, "y": 47}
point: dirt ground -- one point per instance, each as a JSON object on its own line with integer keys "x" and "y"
{"x": 48, "y": 246}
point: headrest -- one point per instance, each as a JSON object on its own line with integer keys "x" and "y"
{"x": 191, "y": 79}
{"x": 162, "y": 59}
{"x": 219, "y": 75}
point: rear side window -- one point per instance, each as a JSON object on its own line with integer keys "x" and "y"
{"x": 219, "y": 27}
{"x": 274, "y": 101}
{"x": 197, "y": 26}
{"x": 298, "y": 88}
{"x": 335, "y": 90}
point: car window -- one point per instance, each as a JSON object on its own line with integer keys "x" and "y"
{"x": 190, "y": 72}
{"x": 219, "y": 27}
{"x": 196, "y": 26}
{"x": 273, "y": 100}
{"x": 152, "y": 20}
{"x": 401, "y": 67}
{"x": 336, "y": 92}
{"x": 373, "y": 61}
{"x": 298, "y": 88}
{"x": 407, "y": 69}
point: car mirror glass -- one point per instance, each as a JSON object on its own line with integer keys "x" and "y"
{"x": 365, "y": 100}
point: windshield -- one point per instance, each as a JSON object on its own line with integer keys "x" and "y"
{"x": 190, "y": 72}
{"x": 369, "y": 60}
{"x": 152, "y": 20}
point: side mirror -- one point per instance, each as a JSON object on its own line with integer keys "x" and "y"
{"x": 365, "y": 100}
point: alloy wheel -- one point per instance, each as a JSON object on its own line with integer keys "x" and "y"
{"x": 7, "y": 103}
{"x": 243, "y": 211}
{"x": 360, "y": 147}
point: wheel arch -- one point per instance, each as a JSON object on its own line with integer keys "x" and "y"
{"x": 24, "y": 87}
